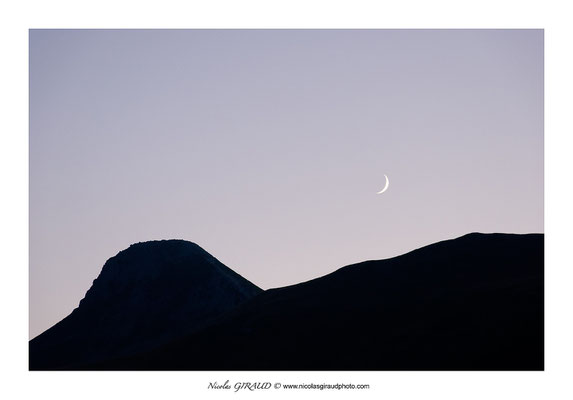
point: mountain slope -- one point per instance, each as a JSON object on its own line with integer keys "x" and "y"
{"x": 147, "y": 295}
{"x": 472, "y": 303}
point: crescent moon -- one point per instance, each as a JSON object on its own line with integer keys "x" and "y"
{"x": 385, "y": 186}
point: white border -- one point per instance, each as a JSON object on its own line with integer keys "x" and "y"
{"x": 18, "y": 17}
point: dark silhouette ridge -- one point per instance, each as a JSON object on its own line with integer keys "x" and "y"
{"x": 146, "y": 295}
{"x": 471, "y": 303}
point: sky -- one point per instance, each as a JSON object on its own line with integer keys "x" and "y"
{"x": 267, "y": 147}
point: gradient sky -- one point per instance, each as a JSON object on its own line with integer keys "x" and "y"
{"x": 267, "y": 148}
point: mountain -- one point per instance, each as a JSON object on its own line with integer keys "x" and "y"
{"x": 472, "y": 303}
{"x": 145, "y": 296}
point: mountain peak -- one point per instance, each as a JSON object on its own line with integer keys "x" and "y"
{"x": 145, "y": 295}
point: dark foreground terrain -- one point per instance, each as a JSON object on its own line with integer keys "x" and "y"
{"x": 472, "y": 303}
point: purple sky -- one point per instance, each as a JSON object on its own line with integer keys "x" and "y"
{"x": 267, "y": 148}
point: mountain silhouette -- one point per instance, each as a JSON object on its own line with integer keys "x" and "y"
{"x": 146, "y": 295}
{"x": 471, "y": 303}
